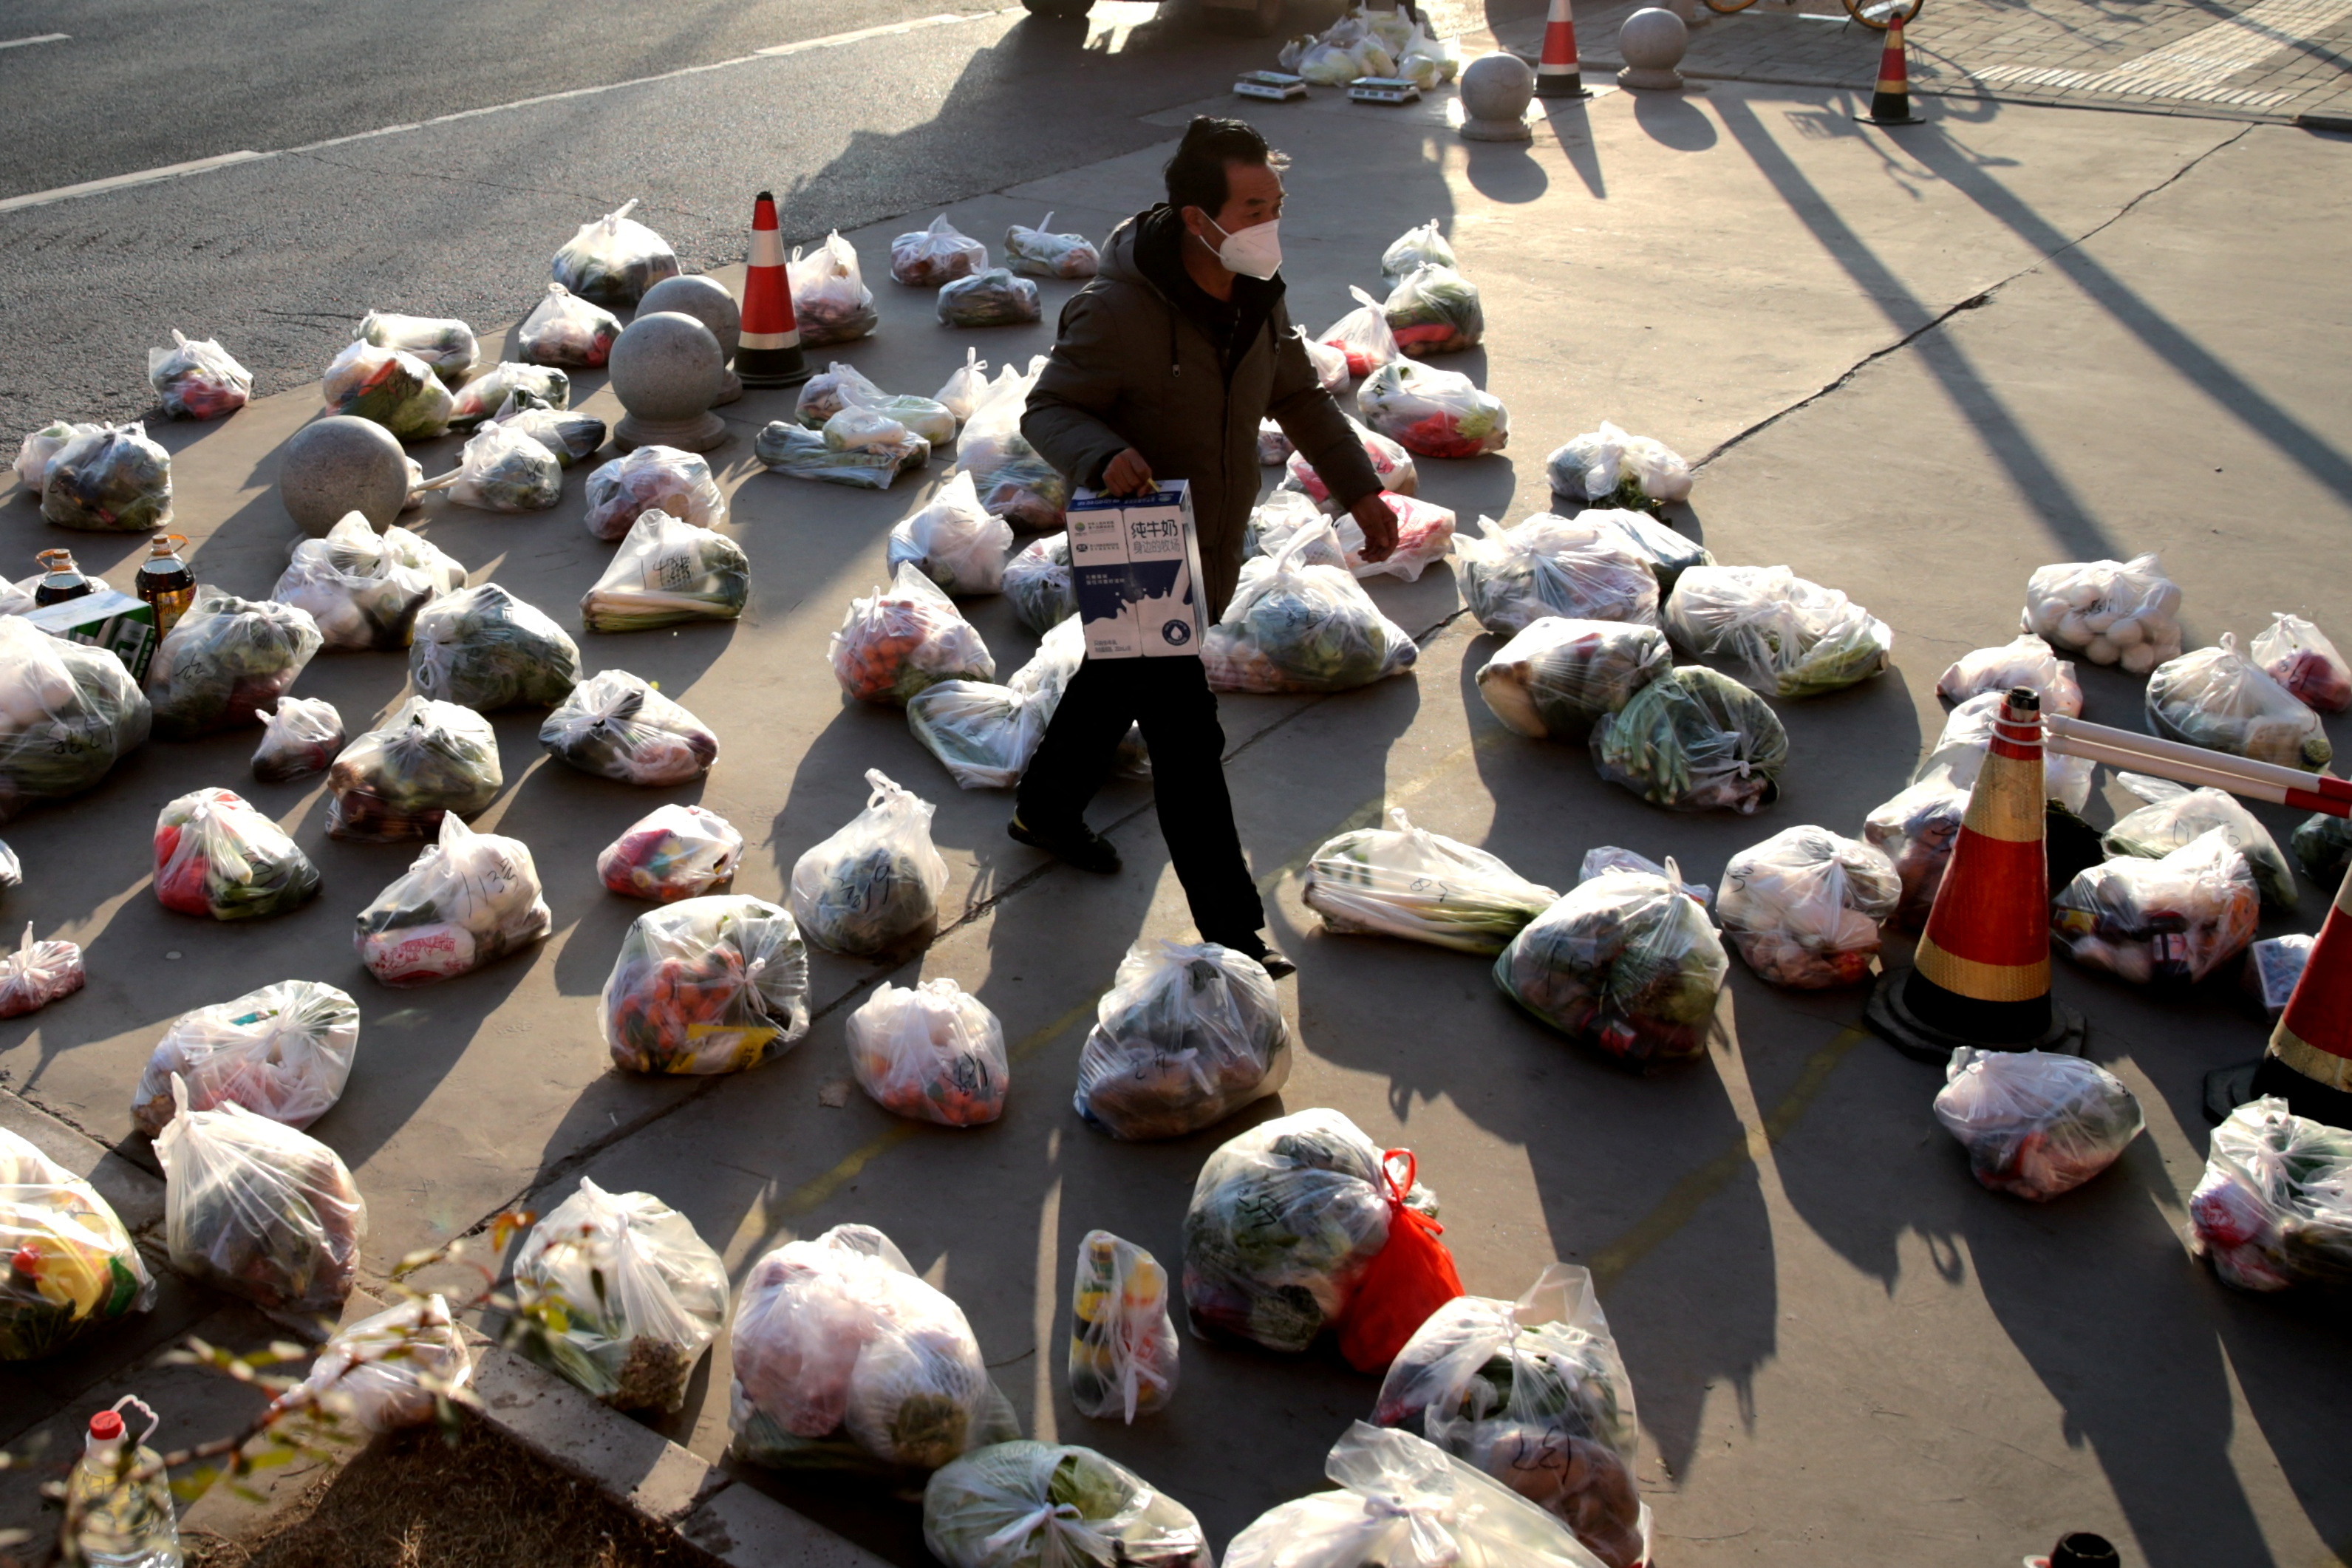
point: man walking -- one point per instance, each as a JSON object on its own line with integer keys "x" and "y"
{"x": 1163, "y": 367}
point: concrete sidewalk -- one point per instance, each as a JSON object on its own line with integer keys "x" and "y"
{"x": 1920, "y": 367}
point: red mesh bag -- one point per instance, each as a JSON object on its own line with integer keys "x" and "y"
{"x": 1410, "y": 1278}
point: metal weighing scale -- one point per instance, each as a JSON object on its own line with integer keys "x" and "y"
{"x": 1275, "y": 85}
{"x": 1382, "y": 90}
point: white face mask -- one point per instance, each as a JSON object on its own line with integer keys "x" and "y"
{"x": 1253, "y": 252}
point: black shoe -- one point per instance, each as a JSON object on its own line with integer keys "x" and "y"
{"x": 1272, "y": 959}
{"x": 1080, "y": 846}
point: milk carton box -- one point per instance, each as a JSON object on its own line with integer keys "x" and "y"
{"x": 1135, "y": 570}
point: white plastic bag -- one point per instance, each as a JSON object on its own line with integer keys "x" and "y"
{"x": 617, "y": 1292}
{"x": 198, "y": 379}
{"x": 617, "y": 726}
{"x": 827, "y": 393}
{"x": 668, "y": 572}
{"x": 2035, "y": 1123}
{"x": 502, "y": 469}
{"x": 509, "y": 382}
{"x": 652, "y": 478}
{"x": 486, "y": 649}
{"x": 2218, "y": 697}
{"x": 1363, "y": 335}
{"x": 672, "y": 852}
{"x": 1916, "y": 831}
{"x": 300, "y": 739}
{"x": 1669, "y": 553}
{"x": 711, "y": 985}
{"x": 991, "y": 299}
{"x": 1626, "y": 960}
{"x": 1041, "y": 253}
{"x": 1185, "y": 1036}
{"x": 2175, "y": 919}
{"x": 565, "y": 329}
{"x": 982, "y": 734}
{"x": 1294, "y": 627}
{"x": 931, "y": 1053}
{"x": 1037, "y": 581}
{"x": 363, "y": 589}
{"x": 2299, "y": 657}
{"x": 899, "y": 639}
{"x": 1124, "y": 1355}
{"x": 875, "y": 463}
{"x": 109, "y": 479}
{"x": 1694, "y": 739}
{"x": 1605, "y": 858}
{"x": 1959, "y": 755}
{"x": 962, "y": 391}
{"x": 257, "y": 1209}
{"x": 68, "y": 713}
{"x": 1416, "y": 247}
{"x": 2275, "y": 1209}
{"x": 217, "y": 858}
{"x": 1534, "y": 1393}
{"x": 1392, "y": 465}
{"x": 614, "y": 259}
{"x": 1405, "y": 881}
{"x": 72, "y": 1265}
{"x": 395, "y": 389}
{"x": 396, "y": 780}
{"x": 1405, "y": 1503}
{"x": 283, "y": 1052}
{"x": 1273, "y": 448}
{"x": 1013, "y": 482}
{"x": 1029, "y": 1505}
{"x": 1433, "y": 413}
{"x": 445, "y": 343}
{"x": 2175, "y": 814}
{"x": 1434, "y": 310}
{"x": 390, "y": 1371}
{"x": 938, "y": 254}
{"x": 1608, "y": 467}
{"x": 1781, "y": 633}
{"x": 1804, "y": 907}
{"x": 2114, "y": 612}
{"x": 1429, "y": 64}
{"x": 1558, "y": 676}
{"x": 466, "y": 899}
{"x": 857, "y": 428}
{"x": 923, "y": 416}
{"x": 37, "y": 973}
{"x": 831, "y": 303}
{"x": 1552, "y": 565}
{"x": 223, "y": 659}
{"x": 876, "y": 883}
{"x": 2027, "y": 661}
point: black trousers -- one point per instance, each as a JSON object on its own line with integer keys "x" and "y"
{"x": 1171, "y": 699}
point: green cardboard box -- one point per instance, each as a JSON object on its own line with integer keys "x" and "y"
{"x": 108, "y": 619}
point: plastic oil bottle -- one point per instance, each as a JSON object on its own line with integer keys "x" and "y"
{"x": 120, "y": 1518}
{"x": 61, "y": 578}
{"x": 165, "y": 582}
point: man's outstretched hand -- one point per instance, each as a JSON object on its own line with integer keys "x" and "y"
{"x": 1379, "y": 522}
{"x": 1129, "y": 475}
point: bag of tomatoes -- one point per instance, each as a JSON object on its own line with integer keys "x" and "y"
{"x": 216, "y": 856}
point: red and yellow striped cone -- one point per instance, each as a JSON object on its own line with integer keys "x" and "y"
{"x": 1891, "y": 104}
{"x": 1980, "y": 975}
{"x": 769, "y": 354}
{"x": 2309, "y": 1063}
{"x": 1558, "y": 74}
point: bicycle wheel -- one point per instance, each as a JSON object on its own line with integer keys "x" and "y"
{"x": 1729, "y": 7}
{"x": 1879, "y": 14}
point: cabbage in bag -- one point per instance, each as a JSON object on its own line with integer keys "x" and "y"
{"x": 483, "y": 648}
{"x": 1608, "y": 467}
{"x": 1185, "y": 1036}
{"x": 953, "y": 541}
{"x": 875, "y": 885}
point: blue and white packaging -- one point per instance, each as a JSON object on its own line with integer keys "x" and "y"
{"x": 1135, "y": 570}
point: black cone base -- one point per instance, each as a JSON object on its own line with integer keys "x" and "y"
{"x": 1568, "y": 86}
{"x": 1889, "y": 109}
{"x": 772, "y": 367}
{"x": 1890, "y": 1015}
{"x": 2226, "y": 1089}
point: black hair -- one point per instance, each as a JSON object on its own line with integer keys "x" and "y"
{"x": 1196, "y": 175}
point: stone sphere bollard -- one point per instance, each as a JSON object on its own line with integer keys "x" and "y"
{"x": 1496, "y": 89}
{"x": 667, "y": 370}
{"x": 706, "y": 301}
{"x": 1651, "y": 43}
{"x": 338, "y": 465}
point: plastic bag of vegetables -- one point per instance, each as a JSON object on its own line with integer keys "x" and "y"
{"x": 466, "y": 899}
{"x": 940, "y": 254}
{"x": 1551, "y": 565}
{"x": 614, "y": 259}
{"x": 199, "y": 379}
{"x": 391, "y": 1371}
{"x": 70, "y": 1264}
{"x": 2026, "y": 661}
{"x": 1804, "y": 907}
{"x": 1185, "y": 1036}
{"x": 2218, "y": 697}
{"x": 1534, "y": 1393}
{"x": 953, "y": 541}
{"x": 1613, "y": 857}
{"x": 36, "y": 974}
{"x": 1694, "y": 739}
{"x": 283, "y": 1052}
{"x": 1670, "y": 555}
{"x": 2298, "y": 656}
{"x": 215, "y": 856}
{"x": 503, "y": 470}
{"x": 652, "y": 478}
{"x": 831, "y": 303}
{"x": 1558, "y": 677}
{"x": 982, "y": 734}
{"x": 363, "y": 590}
{"x": 1273, "y": 448}
{"x": 40, "y": 448}
{"x": 829, "y": 390}
{"x": 1782, "y": 635}
{"x": 109, "y": 479}
{"x": 1407, "y": 881}
{"x": 445, "y": 344}
{"x": 226, "y": 658}
{"x": 2113, "y": 611}
{"x": 1014, "y": 483}
{"x": 930, "y": 1053}
{"x": 563, "y": 329}
{"x": 1041, "y": 253}
{"x": 1294, "y": 627}
{"x": 923, "y": 416}
{"x": 1389, "y": 461}
{"x": 398, "y": 779}
{"x": 1037, "y": 581}
{"x": 668, "y": 572}
{"x": 1327, "y": 65}
{"x": 68, "y": 713}
{"x": 672, "y": 852}
{"x": 482, "y": 397}
{"x": 395, "y": 389}
{"x": 1424, "y": 534}
{"x": 962, "y": 393}
{"x": 991, "y": 299}
{"x": 2275, "y": 1209}
{"x": 1123, "y": 1351}
{"x": 2175, "y": 814}
{"x": 899, "y": 639}
{"x": 1403, "y": 1500}
{"x": 1413, "y": 249}
{"x": 2178, "y": 918}
{"x": 617, "y": 726}
{"x": 845, "y": 1358}
{"x": 2035, "y": 1124}
{"x": 1608, "y": 467}
{"x": 257, "y": 1209}
{"x": 617, "y": 1292}
{"x": 1363, "y": 335}
{"x": 1053, "y": 1505}
{"x": 1433, "y": 413}
{"x": 1960, "y": 752}
{"x": 485, "y": 650}
{"x": 2323, "y": 847}
{"x": 1428, "y": 63}
{"x": 570, "y": 437}
{"x": 709, "y": 984}
{"x": 1434, "y": 310}
{"x": 876, "y": 883}
{"x": 1623, "y": 960}
{"x": 804, "y": 454}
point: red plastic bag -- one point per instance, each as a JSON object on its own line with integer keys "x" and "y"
{"x": 1410, "y": 1278}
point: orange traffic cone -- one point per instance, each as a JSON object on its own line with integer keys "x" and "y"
{"x": 1558, "y": 74}
{"x": 771, "y": 351}
{"x": 1980, "y": 975}
{"x": 2309, "y": 1063}
{"x": 1891, "y": 104}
